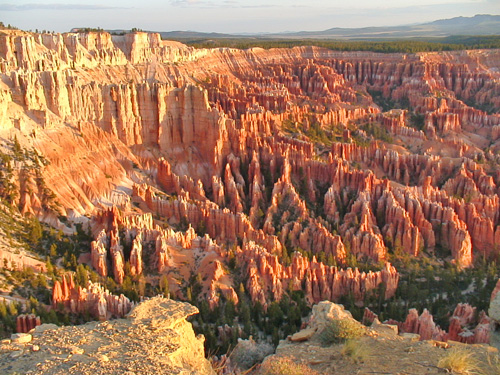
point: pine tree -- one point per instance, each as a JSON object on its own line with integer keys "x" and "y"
{"x": 53, "y": 250}
{"x": 50, "y": 267}
{"x": 35, "y": 231}
{"x": 81, "y": 277}
{"x": 3, "y": 309}
{"x": 18, "y": 150}
{"x": 164, "y": 285}
{"x": 12, "y": 309}
{"x": 141, "y": 286}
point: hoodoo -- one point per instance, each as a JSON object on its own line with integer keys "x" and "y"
{"x": 252, "y": 183}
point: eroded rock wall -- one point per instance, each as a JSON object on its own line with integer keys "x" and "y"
{"x": 288, "y": 150}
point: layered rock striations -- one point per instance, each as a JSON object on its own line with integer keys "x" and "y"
{"x": 267, "y": 275}
{"x": 93, "y": 299}
{"x": 282, "y": 158}
{"x": 27, "y": 322}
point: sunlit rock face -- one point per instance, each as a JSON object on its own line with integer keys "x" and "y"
{"x": 281, "y": 156}
{"x": 153, "y": 326}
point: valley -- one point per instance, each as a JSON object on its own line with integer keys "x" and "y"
{"x": 252, "y": 183}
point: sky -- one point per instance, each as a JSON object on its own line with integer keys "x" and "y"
{"x": 233, "y": 16}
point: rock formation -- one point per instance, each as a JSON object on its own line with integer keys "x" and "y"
{"x": 494, "y": 309}
{"x": 25, "y": 323}
{"x": 282, "y": 158}
{"x": 94, "y": 299}
{"x": 267, "y": 275}
{"x": 387, "y": 350}
{"x": 134, "y": 343}
{"x": 461, "y": 320}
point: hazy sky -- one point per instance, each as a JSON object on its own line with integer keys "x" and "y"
{"x": 233, "y": 16}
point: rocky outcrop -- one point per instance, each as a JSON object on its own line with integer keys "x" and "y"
{"x": 423, "y": 325}
{"x": 365, "y": 238}
{"x": 401, "y": 351}
{"x": 324, "y": 312}
{"x": 274, "y": 152}
{"x": 98, "y": 254}
{"x": 494, "y": 308}
{"x": 13, "y": 261}
{"x": 220, "y": 224}
{"x": 154, "y": 326}
{"x": 266, "y": 275}
{"x": 94, "y": 299}
{"x": 27, "y": 322}
{"x": 462, "y": 320}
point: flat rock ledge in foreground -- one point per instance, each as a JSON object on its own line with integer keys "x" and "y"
{"x": 155, "y": 338}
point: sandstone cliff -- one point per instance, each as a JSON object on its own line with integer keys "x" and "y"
{"x": 282, "y": 154}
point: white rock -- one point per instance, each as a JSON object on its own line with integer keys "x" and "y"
{"x": 45, "y": 327}
{"x": 324, "y": 312}
{"x": 103, "y": 358}
{"x": 16, "y": 354}
{"x": 21, "y": 338}
{"x": 77, "y": 350}
{"x": 494, "y": 310}
{"x": 303, "y": 335}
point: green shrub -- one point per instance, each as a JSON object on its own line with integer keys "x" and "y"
{"x": 339, "y": 331}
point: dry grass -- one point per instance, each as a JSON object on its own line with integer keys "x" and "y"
{"x": 494, "y": 362}
{"x": 461, "y": 361}
{"x": 285, "y": 366}
{"x": 223, "y": 366}
{"x": 220, "y": 366}
{"x": 356, "y": 350}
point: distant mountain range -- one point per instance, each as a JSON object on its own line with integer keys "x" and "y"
{"x": 481, "y": 24}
